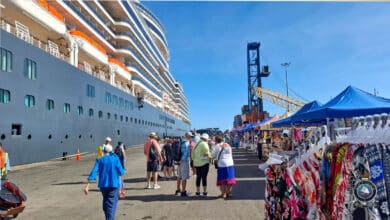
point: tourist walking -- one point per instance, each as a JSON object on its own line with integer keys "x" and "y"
{"x": 236, "y": 141}
{"x": 183, "y": 173}
{"x": 4, "y": 163}
{"x": 121, "y": 153}
{"x": 225, "y": 167}
{"x": 109, "y": 169}
{"x": 168, "y": 158}
{"x": 152, "y": 152}
{"x": 100, "y": 152}
{"x": 201, "y": 157}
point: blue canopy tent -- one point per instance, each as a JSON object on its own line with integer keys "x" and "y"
{"x": 351, "y": 102}
{"x": 290, "y": 120}
{"x": 243, "y": 129}
{"x": 252, "y": 126}
{"x": 265, "y": 120}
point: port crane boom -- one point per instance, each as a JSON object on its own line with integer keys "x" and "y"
{"x": 278, "y": 99}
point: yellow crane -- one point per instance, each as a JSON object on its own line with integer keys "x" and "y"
{"x": 289, "y": 103}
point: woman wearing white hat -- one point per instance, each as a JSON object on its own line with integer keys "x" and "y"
{"x": 201, "y": 157}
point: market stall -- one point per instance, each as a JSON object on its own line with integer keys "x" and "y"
{"x": 336, "y": 180}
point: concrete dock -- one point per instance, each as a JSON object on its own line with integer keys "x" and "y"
{"x": 55, "y": 191}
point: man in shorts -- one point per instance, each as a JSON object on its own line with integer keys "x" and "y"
{"x": 152, "y": 164}
{"x": 184, "y": 165}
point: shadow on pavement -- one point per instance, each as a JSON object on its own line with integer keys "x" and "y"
{"x": 248, "y": 172}
{"x": 68, "y": 183}
{"x": 248, "y": 190}
{"x": 135, "y": 180}
{"x": 248, "y": 185}
{"x": 98, "y": 190}
{"x": 164, "y": 197}
{"x": 143, "y": 180}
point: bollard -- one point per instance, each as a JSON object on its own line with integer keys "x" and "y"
{"x": 78, "y": 154}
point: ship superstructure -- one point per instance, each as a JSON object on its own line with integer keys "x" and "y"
{"x": 106, "y": 60}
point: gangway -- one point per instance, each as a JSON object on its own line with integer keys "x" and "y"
{"x": 278, "y": 99}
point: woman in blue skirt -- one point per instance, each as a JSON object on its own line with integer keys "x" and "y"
{"x": 223, "y": 156}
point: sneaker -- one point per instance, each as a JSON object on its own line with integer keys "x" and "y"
{"x": 205, "y": 193}
{"x": 197, "y": 193}
{"x": 156, "y": 186}
{"x": 177, "y": 193}
{"x": 184, "y": 194}
{"x": 148, "y": 186}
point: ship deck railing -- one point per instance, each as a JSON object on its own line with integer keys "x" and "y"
{"x": 10, "y": 28}
{"x": 48, "y": 47}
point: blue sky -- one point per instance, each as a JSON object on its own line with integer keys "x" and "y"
{"x": 329, "y": 45}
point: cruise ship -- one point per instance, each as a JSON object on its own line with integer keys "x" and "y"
{"x": 74, "y": 72}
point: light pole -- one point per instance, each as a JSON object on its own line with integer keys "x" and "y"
{"x": 286, "y": 65}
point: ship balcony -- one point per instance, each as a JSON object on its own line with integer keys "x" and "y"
{"x": 89, "y": 46}
{"x": 48, "y": 46}
{"x": 121, "y": 69}
{"x": 43, "y": 13}
{"x": 140, "y": 86}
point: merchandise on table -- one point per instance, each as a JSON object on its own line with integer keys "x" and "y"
{"x": 331, "y": 181}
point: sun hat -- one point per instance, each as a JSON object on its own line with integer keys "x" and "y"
{"x": 205, "y": 136}
{"x": 152, "y": 134}
{"x": 108, "y": 139}
{"x": 189, "y": 134}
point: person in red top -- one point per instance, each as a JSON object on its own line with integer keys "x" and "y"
{"x": 2, "y": 158}
{"x": 153, "y": 157}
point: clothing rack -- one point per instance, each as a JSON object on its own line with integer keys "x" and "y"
{"x": 366, "y": 130}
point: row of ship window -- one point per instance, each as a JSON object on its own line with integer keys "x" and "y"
{"x": 29, "y": 101}
{"x": 30, "y": 71}
{"x": 6, "y": 64}
{"x": 119, "y": 101}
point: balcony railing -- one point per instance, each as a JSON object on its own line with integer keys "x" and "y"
{"x": 131, "y": 12}
{"x": 8, "y": 27}
{"x": 91, "y": 24}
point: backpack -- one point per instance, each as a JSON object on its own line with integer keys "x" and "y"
{"x": 118, "y": 152}
{"x": 153, "y": 155}
{"x": 176, "y": 151}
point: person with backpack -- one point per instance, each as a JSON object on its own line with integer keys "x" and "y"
{"x": 168, "y": 158}
{"x": 120, "y": 152}
{"x": 184, "y": 165}
{"x": 176, "y": 154}
{"x": 152, "y": 152}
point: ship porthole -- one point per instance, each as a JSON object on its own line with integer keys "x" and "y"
{"x": 2, "y": 137}
{"x": 119, "y": 132}
{"x": 66, "y": 136}
{"x": 29, "y": 137}
{"x": 80, "y": 136}
{"x": 49, "y": 136}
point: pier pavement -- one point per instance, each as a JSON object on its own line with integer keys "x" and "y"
{"x": 55, "y": 191}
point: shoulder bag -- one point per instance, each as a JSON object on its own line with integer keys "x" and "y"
{"x": 219, "y": 155}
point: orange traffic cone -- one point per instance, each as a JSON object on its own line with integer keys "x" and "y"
{"x": 78, "y": 154}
